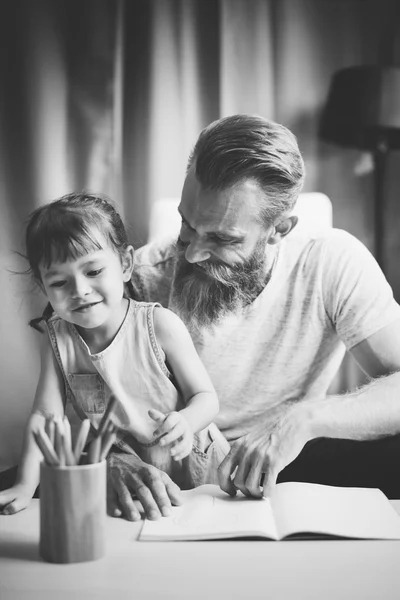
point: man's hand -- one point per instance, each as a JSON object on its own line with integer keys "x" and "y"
{"x": 259, "y": 456}
{"x": 175, "y": 430}
{"x": 127, "y": 476}
{"x": 15, "y": 499}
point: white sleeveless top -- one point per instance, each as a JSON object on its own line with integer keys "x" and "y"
{"x": 133, "y": 369}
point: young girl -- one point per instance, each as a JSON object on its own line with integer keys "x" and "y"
{"x": 100, "y": 343}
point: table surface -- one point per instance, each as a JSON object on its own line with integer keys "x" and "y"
{"x": 197, "y": 570}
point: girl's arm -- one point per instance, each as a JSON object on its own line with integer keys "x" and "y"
{"x": 48, "y": 401}
{"x": 200, "y": 398}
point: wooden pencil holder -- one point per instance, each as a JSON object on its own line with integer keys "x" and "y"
{"x": 72, "y": 512}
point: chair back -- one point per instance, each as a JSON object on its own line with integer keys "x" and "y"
{"x": 314, "y": 210}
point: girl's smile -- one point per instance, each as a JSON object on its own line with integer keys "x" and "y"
{"x": 85, "y": 307}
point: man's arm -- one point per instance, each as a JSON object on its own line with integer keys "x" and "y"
{"x": 365, "y": 414}
{"x": 373, "y": 411}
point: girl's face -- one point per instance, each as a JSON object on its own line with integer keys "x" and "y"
{"x": 88, "y": 291}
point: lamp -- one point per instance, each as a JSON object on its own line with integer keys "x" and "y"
{"x": 363, "y": 111}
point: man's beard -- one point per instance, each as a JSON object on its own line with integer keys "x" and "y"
{"x": 206, "y": 292}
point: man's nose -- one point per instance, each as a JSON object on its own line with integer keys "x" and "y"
{"x": 196, "y": 251}
{"x": 80, "y": 287}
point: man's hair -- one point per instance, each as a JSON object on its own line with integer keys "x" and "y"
{"x": 245, "y": 147}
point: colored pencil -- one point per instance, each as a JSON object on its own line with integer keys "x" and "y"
{"x": 56, "y": 445}
{"x": 69, "y": 456}
{"x": 81, "y": 439}
{"x": 46, "y": 448}
{"x": 59, "y": 442}
{"x": 108, "y": 439}
{"x": 94, "y": 450}
{"x": 106, "y": 417}
{"x": 49, "y": 429}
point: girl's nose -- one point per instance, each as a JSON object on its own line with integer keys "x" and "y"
{"x": 80, "y": 287}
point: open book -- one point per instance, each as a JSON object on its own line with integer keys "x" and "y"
{"x": 295, "y": 510}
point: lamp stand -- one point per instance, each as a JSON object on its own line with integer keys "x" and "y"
{"x": 380, "y": 155}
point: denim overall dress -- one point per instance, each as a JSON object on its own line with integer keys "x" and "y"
{"x": 133, "y": 369}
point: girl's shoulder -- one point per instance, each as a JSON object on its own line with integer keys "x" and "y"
{"x": 166, "y": 315}
{"x": 55, "y": 322}
{"x": 59, "y": 329}
{"x": 142, "y": 305}
{"x": 168, "y": 326}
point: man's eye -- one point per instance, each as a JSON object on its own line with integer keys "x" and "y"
{"x": 221, "y": 240}
{"x": 94, "y": 273}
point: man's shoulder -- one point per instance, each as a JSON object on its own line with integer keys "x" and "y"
{"x": 335, "y": 238}
{"x": 341, "y": 249}
{"x": 153, "y": 268}
{"x": 325, "y": 244}
{"x": 156, "y": 255}
{"x": 324, "y": 255}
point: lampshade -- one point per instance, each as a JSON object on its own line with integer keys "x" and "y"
{"x": 363, "y": 108}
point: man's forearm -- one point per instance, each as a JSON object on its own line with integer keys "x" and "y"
{"x": 371, "y": 412}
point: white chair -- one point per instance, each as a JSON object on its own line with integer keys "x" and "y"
{"x": 165, "y": 219}
{"x": 313, "y": 209}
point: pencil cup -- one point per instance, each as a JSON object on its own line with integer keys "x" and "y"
{"x": 72, "y": 512}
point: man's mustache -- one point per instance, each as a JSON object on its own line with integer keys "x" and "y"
{"x": 217, "y": 270}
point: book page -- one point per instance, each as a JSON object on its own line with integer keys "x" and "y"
{"x": 338, "y": 511}
{"x": 209, "y": 513}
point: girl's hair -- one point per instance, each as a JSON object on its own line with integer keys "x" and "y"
{"x": 64, "y": 229}
{"x": 241, "y": 147}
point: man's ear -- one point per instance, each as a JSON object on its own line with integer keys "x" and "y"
{"x": 127, "y": 263}
{"x": 282, "y": 228}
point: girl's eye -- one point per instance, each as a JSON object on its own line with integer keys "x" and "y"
{"x": 57, "y": 284}
{"x": 94, "y": 273}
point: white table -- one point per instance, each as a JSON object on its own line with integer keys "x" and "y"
{"x": 197, "y": 570}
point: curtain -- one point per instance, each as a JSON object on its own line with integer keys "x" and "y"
{"x": 110, "y": 95}
{"x": 58, "y": 99}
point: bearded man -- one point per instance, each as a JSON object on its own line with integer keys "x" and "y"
{"x": 271, "y": 315}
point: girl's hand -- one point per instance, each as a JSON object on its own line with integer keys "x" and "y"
{"x": 175, "y": 430}
{"x": 15, "y": 499}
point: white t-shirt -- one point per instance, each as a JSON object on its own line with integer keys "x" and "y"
{"x": 326, "y": 294}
